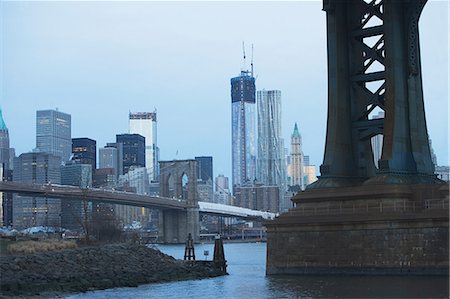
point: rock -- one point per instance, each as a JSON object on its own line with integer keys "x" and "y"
{"x": 90, "y": 268}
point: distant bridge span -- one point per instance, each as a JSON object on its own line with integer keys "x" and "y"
{"x": 127, "y": 198}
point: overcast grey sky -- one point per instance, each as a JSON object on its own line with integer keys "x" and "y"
{"x": 99, "y": 60}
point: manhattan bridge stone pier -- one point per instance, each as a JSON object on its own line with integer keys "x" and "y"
{"x": 359, "y": 218}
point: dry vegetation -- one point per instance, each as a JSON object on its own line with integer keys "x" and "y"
{"x": 29, "y": 247}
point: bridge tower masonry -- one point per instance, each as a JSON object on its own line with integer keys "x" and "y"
{"x": 358, "y": 218}
{"x": 178, "y": 179}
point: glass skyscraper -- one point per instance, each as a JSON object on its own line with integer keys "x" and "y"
{"x": 76, "y": 174}
{"x": 84, "y": 150}
{"x": 28, "y": 211}
{"x": 53, "y": 133}
{"x": 144, "y": 123}
{"x": 271, "y": 163}
{"x": 243, "y": 129}
{"x": 133, "y": 150}
{"x": 6, "y": 165}
{"x": 205, "y": 168}
{"x": 271, "y": 154}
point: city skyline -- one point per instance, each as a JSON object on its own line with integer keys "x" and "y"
{"x": 87, "y": 70}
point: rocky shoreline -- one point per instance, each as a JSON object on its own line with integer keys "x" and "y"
{"x": 92, "y": 268}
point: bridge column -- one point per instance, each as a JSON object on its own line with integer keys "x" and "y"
{"x": 406, "y": 151}
{"x": 373, "y": 66}
{"x": 177, "y": 225}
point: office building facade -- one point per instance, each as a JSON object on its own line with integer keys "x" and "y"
{"x": 53, "y": 133}
{"x": 310, "y": 174}
{"x": 133, "y": 150}
{"x": 145, "y": 124}
{"x": 74, "y": 173}
{"x": 39, "y": 168}
{"x": 258, "y": 197}
{"x": 271, "y": 160}
{"x": 6, "y": 152}
{"x": 6, "y": 198}
{"x": 222, "y": 192}
{"x": 205, "y": 168}
{"x": 119, "y": 149}
{"x": 104, "y": 178}
{"x": 135, "y": 180}
{"x": 6, "y": 165}
{"x": 243, "y": 129}
{"x": 377, "y": 142}
{"x": 297, "y": 159}
{"x": 222, "y": 183}
{"x": 108, "y": 158}
{"x": 84, "y": 150}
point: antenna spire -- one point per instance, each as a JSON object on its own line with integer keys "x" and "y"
{"x": 243, "y": 52}
{"x": 251, "y": 62}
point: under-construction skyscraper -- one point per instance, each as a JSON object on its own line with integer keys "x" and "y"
{"x": 243, "y": 127}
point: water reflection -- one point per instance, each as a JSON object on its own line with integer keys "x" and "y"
{"x": 247, "y": 279}
{"x": 350, "y": 286}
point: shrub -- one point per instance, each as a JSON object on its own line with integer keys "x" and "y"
{"x": 29, "y": 247}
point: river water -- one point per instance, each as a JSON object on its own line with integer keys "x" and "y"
{"x": 247, "y": 279}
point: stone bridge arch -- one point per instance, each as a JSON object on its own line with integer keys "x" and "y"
{"x": 176, "y": 169}
{"x": 176, "y": 225}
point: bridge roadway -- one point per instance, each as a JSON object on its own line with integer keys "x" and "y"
{"x": 126, "y": 198}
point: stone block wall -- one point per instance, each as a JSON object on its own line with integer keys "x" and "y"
{"x": 392, "y": 229}
{"x": 418, "y": 247}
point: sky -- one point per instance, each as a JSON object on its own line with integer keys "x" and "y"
{"x": 100, "y": 60}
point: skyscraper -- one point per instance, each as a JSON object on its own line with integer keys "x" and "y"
{"x": 108, "y": 158}
{"x": 6, "y": 165}
{"x": 119, "y": 148}
{"x": 243, "y": 129}
{"x": 6, "y": 153}
{"x": 271, "y": 162}
{"x": 258, "y": 197}
{"x": 144, "y": 123}
{"x": 39, "y": 168}
{"x": 74, "y": 173}
{"x": 222, "y": 183}
{"x": 205, "y": 189}
{"x": 204, "y": 168}
{"x": 271, "y": 156}
{"x": 297, "y": 162}
{"x": 222, "y": 193}
{"x": 133, "y": 150}
{"x": 377, "y": 142}
{"x": 53, "y": 133}
{"x": 85, "y": 151}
